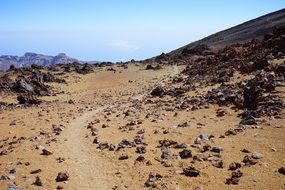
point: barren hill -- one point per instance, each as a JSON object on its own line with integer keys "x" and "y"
{"x": 241, "y": 33}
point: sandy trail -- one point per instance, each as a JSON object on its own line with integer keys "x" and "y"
{"x": 87, "y": 167}
{"x": 88, "y": 170}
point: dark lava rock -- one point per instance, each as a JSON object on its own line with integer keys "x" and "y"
{"x": 234, "y": 166}
{"x": 87, "y": 68}
{"x": 280, "y": 69}
{"x": 70, "y": 101}
{"x": 218, "y": 163}
{"x": 38, "y": 182}
{"x": 141, "y": 149}
{"x": 158, "y": 91}
{"x": 140, "y": 159}
{"x": 234, "y": 179}
{"x": 124, "y": 157}
{"x": 185, "y": 154}
{"x": 152, "y": 178}
{"x": 191, "y": 172}
{"x": 48, "y": 77}
{"x": 217, "y": 149}
{"x": 248, "y": 160}
{"x": 28, "y": 99}
{"x": 103, "y": 145}
{"x": 249, "y": 120}
{"x": 37, "y": 67}
{"x": 201, "y": 138}
{"x": 62, "y": 176}
{"x": 125, "y": 144}
{"x": 282, "y": 170}
{"x": 167, "y": 143}
{"x": 22, "y": 85}
{"x": 35, "y": 171}
{"x": 5, "y": 83}
{"x": 149, "y": 67}
{"x": 46, "y": 152}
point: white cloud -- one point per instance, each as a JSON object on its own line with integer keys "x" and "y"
{"x": 124, "y": 45}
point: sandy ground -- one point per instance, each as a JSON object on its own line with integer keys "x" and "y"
{"x": 103, "y": 97}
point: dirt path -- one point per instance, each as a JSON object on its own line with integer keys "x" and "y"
{"x": 88, "y": 170}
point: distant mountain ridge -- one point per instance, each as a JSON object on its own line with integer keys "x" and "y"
{"x": 33, "y": 58}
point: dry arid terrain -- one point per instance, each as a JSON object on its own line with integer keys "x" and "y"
{"x": 202, "y": 120}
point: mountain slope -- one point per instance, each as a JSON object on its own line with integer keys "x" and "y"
{"x": 244, "y": 32}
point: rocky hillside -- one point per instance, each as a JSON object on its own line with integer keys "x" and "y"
{"x": 32, "y": 58}
{"x": 253, "y": 29}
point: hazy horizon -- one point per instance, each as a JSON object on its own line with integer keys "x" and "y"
{"x": 117, "y": 30}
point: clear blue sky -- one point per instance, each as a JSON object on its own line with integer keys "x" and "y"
{"x": 118, "y": 29}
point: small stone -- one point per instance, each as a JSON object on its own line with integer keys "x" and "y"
{"x": 14, "y": 187}
{"x": 185, "y": 154}
{"x": 191, "y": 172}
{"x": 217, "y": 149}
{"x": 158, "y": 91}
{"x": 166, "y": 153}
{"x": 245, "y": 151}
{"x": 218, "y": 163}
{"x": 248, "y": 160}
{"x": 140, "y": 159}
{"x": 70, "y": 101}
{"x": 141, "y": 149}
{"x": 257, "y": 155}
{"x": 59, "y": 187}
{"x": 105, "y": 126}
{"x": 13, "y": 123}
{"x": 46, "y": 152}
{"x": 282, "y": 170}
{"x": 38, "y": 182}
{"x": 35, "y": 171}
{"x": 235, "y": 177}
{"x": 152, "y": 178}
{"x": 62, "y": 176}
{"x": 201, "y": 138}
{"x": 234, "y": 166}
{"x": 124, "y": 157}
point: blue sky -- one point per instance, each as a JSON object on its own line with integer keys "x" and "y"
{"x": 115, "y": 30}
